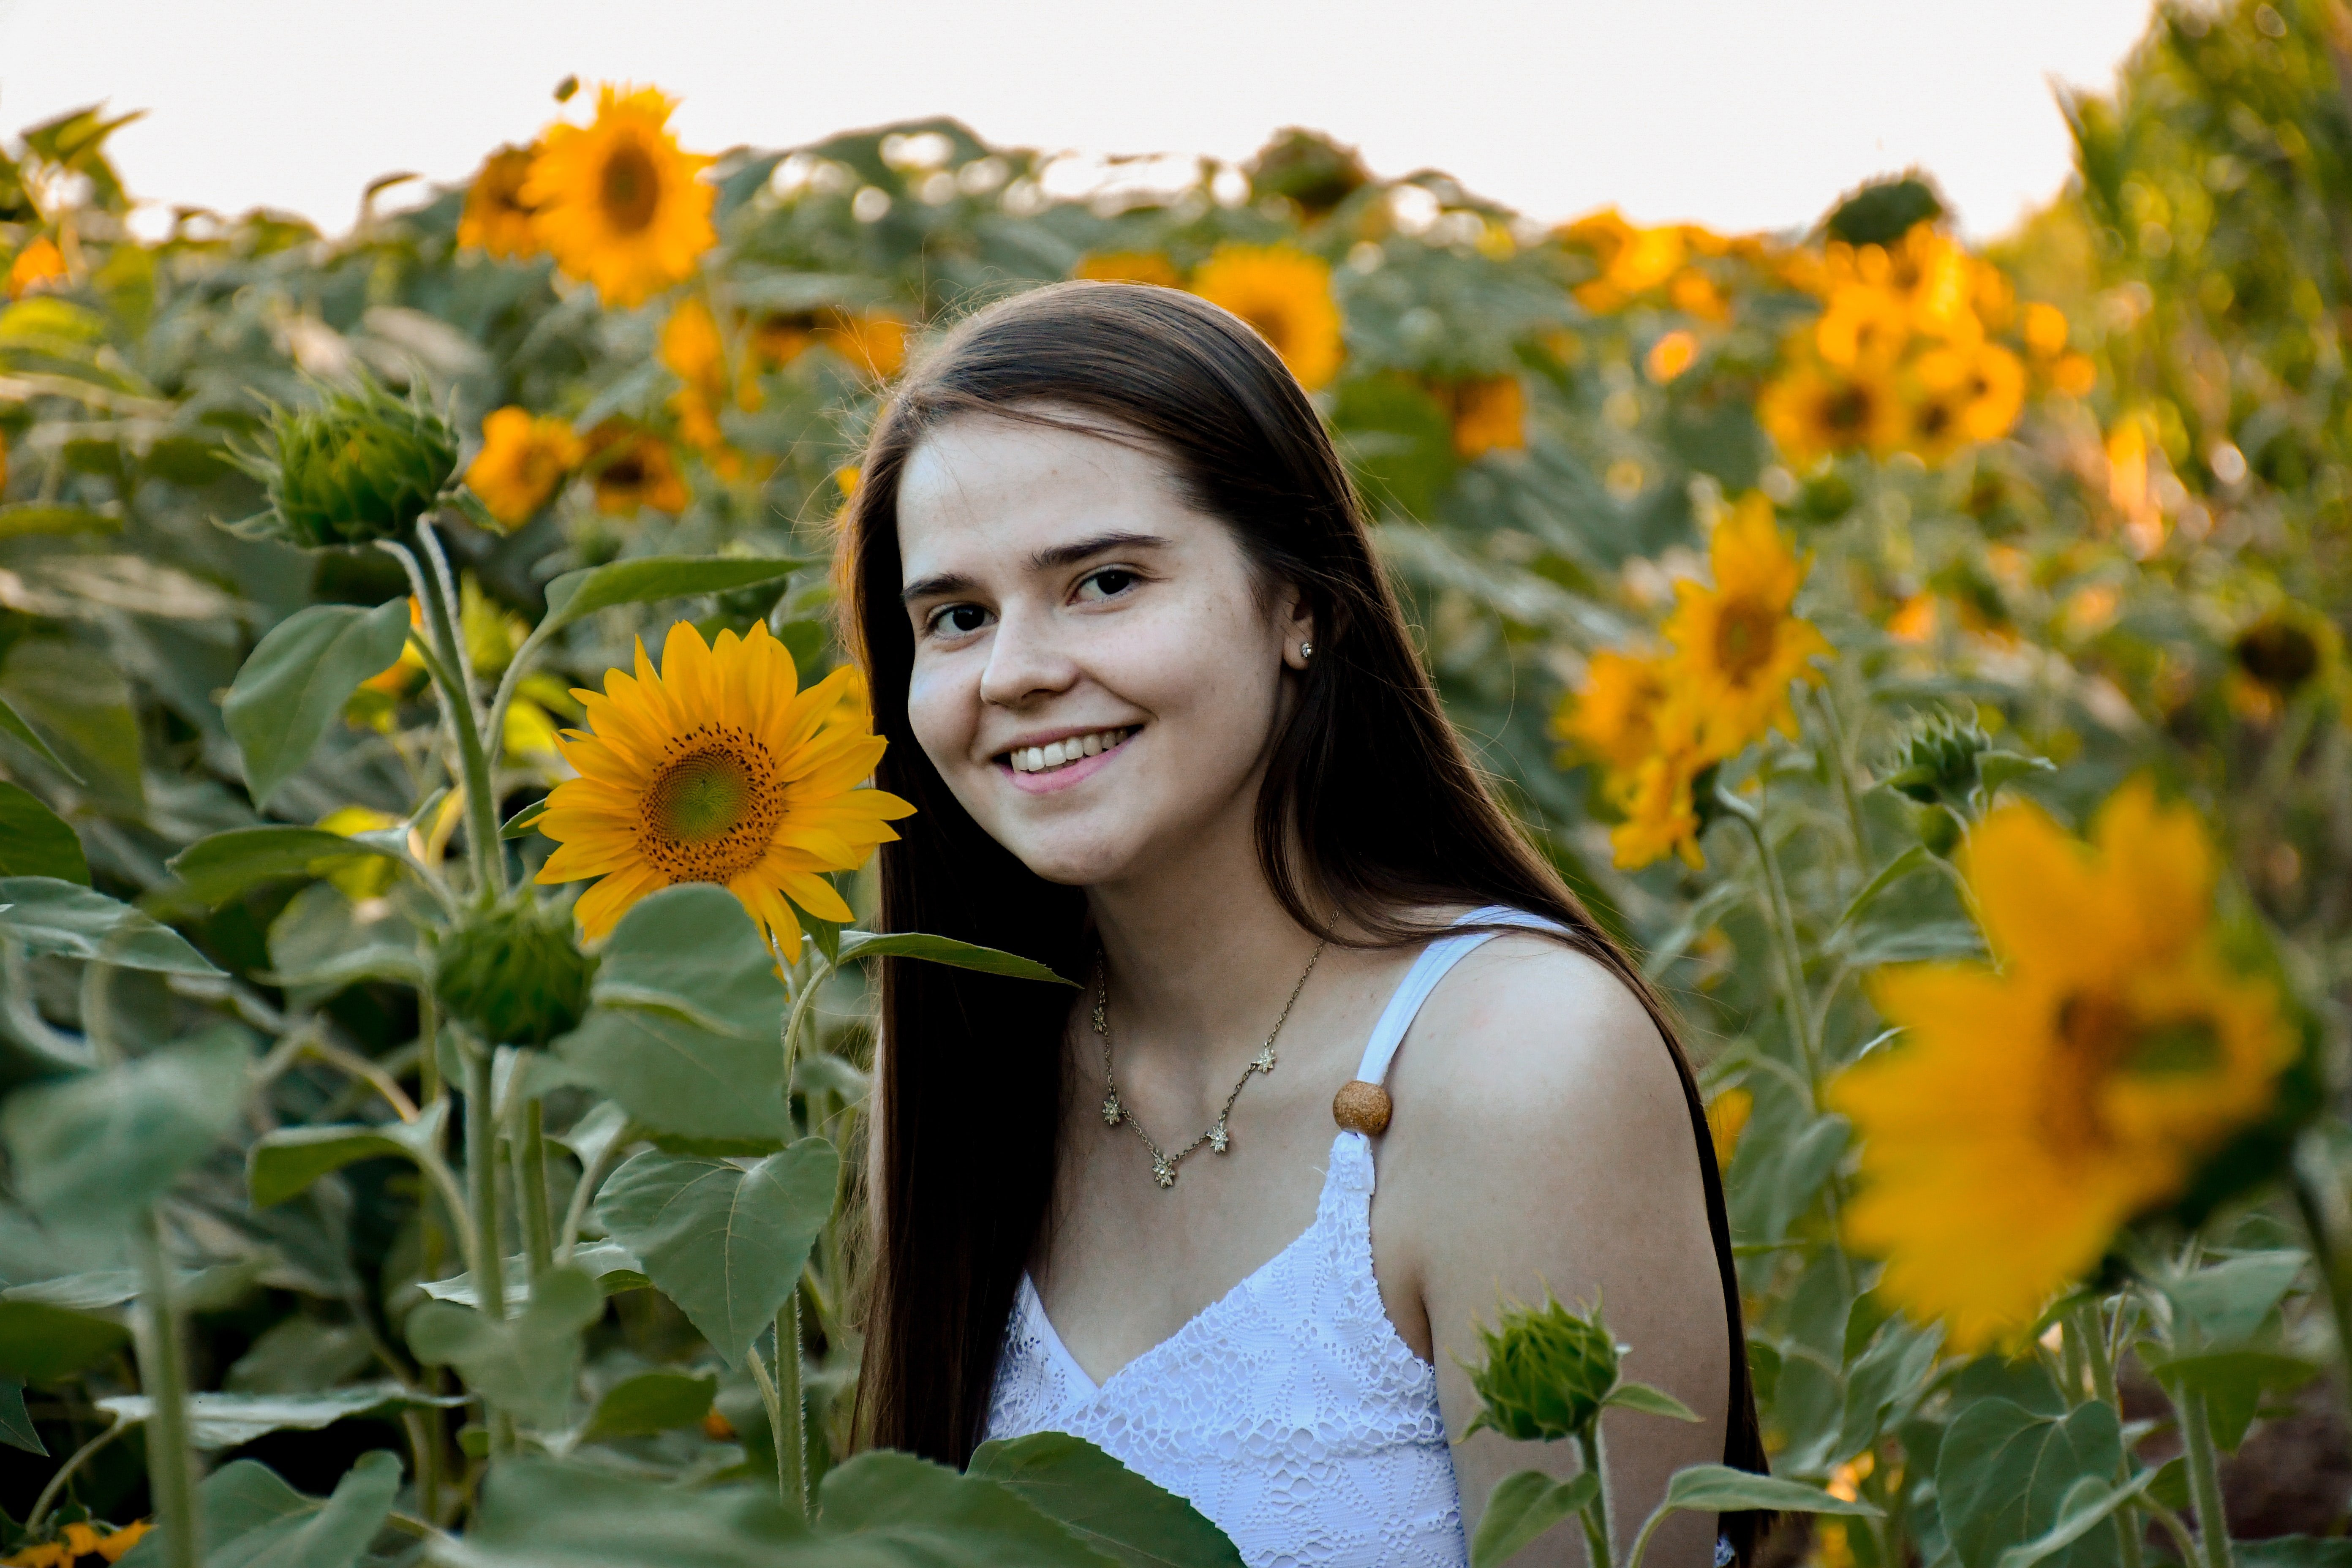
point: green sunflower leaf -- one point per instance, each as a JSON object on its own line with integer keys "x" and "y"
{"x": 857, "y": 944}
{"x": 294, "y": 684}
{"x": 35, "y": 841}
{"x": 725, "y": 1243}
{"x": 218, "y": 867}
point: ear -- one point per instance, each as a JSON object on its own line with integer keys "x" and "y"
{"x": 1295, "y": 623}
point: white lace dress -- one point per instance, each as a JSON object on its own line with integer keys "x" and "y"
{"x": 1288, "y": 1411}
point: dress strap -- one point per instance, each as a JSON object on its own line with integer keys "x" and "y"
{"x": 1430, "y": 967}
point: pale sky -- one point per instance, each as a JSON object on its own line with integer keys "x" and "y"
{"x": 1738, "y": 113}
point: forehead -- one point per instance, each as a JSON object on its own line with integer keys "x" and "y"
{"x": 982, "y": 481}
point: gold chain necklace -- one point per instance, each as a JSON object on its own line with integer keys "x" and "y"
{"x": 1114, "y": 1111}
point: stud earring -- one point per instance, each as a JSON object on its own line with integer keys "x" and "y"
{"x": 1306, "y": 650}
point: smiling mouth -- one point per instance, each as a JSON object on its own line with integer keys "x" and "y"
{"x": 1062, "y": 753}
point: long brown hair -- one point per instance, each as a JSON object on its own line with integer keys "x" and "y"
{"x": 1370, "y": 809}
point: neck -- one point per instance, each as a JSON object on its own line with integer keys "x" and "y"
{"x": 1200, "y": 954}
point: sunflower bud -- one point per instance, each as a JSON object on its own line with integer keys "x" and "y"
{"x": 1546, "y": 1373}
{"x": 513, "y": 973}
{"x": 364, "y": 465}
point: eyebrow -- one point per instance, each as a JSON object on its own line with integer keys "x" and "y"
{"x": 1047, "y": 560}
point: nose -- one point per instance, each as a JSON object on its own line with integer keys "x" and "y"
{"x": 1025, "y": 661}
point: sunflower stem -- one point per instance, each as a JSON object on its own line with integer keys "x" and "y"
{"x": 792, "y": 1408}
{"x": 2204, "y": 1480}
{"x": 482, "y": 1191}
{"x": 1842, "y": 765}
{"x": 530, "y": 1189}
{"x": 1595, "y": 1514}
{"x": 2319, "y": 1199}
{"x": 802, "y": 998}
{"x": 1782, "y": 919}
{"x": 163, "y": 1375}
{"x": 428, "y": 1043}
{"x": 452, "y": 677}
{"x": 2086, "y": 1335}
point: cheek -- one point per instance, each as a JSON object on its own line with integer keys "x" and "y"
{"x": 941, "y": 711}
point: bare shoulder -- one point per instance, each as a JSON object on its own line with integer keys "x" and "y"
{"x": 1528, "y": 1042}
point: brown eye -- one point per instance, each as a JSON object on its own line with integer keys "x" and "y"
{"x": 959, "y": 620}
{"x": 1108, "y": 583}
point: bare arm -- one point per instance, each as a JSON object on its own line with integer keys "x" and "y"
{"x": 1542, "y": 1141}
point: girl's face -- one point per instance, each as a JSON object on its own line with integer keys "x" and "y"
{"x": 1097, "y": 675}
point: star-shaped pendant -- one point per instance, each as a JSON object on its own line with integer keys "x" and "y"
{"x": 1112, "y": 1111}
{"x": 1264, "y": 1062}
{"x": 1163, "y": 1172}
{"x": 1218, "y": 1139}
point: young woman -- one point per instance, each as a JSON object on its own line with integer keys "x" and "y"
{"x": 1350, "y": 1067}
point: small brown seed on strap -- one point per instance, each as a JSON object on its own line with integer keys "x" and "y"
{"x": 1361, "y": 1106}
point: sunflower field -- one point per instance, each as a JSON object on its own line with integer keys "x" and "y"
{"x": 433, "y": 826}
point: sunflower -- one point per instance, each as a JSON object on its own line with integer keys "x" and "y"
{"x": 524, "y": 456}
{"x": 693, "y": 350}
{"x": 873, "y": 342}
{"x": 1815, "y": 410}
{"x": 40, "y": 265}
{"x": 1661, "y": 811}
{"x": 633, "y": 469}
{"x": 1862, "y": 328}
{"x": 1983, "y": 388}
{"x": 1286, "y": 294}
{"x": 1737, "y": 646}
{"x": 718, "y": 770}
{"x": 1128, "y": 267}
{"x": 496, "y": 218}
{"x": 1490, "y": 415}
{"x": 2046, "y": 1100}
{"x": 617, "y": 202}
{"x": 1614, "y": 715}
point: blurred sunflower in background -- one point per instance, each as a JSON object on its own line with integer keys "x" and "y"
{"x": 1658, "y": 721}
{"x": 632, "y": 469}
{"x": 497, "y": 219}
{"x": 1286, "y": 294}
{"x": 1737, "y": 648}
{"x": 717, "y": 769}
{"x": 617, "y": 202}
{"x": 524, "y": 458}
{"x": 39, "y": 266}
{"x": 1489, "y": 414}
{"x": 2076, "y": 1083}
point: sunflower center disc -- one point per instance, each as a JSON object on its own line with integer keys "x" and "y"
{"x": 1743, "y": 638}
{"x": 712, "y": 808}
{"x": 632, "y": 188}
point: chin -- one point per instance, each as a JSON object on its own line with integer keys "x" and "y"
{"x": 1073, "y": 870}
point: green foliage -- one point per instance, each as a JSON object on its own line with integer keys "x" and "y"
{"x": 93, "y": 1150}
{"x": 1522, "y": 1507}
{"x": 35, "y": 841}
{"x": 1546, "y": 1373}
{"x": 527, "y": 1364}
{"x": 692, "y": 951}
{"x": 361, "y": 466}
{"x": 1103, "y": 1503}
{"x": 726, "y": 1244}
{"x": 218, "y": 869}
{"x": 254, "y": 1519}
{"x": 296, "y": 682}
{"x": 2004, "y": 1475}
{"x": 513, "y": 973}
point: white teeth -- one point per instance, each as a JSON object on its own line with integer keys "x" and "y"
{"x": 1061, "y": 754}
